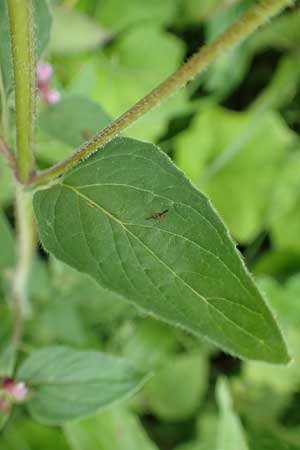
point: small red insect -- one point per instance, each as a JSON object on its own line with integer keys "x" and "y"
{"x": 159, "y": 215}
{"x": 86, "y": 134}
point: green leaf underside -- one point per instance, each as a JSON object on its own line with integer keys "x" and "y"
{"x": 70, "y": 383}
{"x": 183, "y": 268}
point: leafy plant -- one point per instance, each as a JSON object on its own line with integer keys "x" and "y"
{"x": 136, "y": 268}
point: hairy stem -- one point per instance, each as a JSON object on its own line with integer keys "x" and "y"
{"x": 21, "y": 22}
{"x": 249, "y": 22}
{"x": 26, "y": 238}
{"x": 21, "y": 13}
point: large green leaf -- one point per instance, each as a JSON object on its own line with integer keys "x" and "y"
{"x": 183, "y": 268}
{"x": 115, "y": 429}
{"x": 68, "y": 383}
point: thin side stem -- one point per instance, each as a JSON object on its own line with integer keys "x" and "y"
{"x": 8, "y": 154}
{"x": 21, "y": 19}
{"x": 249, "y": 22}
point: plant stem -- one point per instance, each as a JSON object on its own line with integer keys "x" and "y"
{"x": 26, "y": 239}
{"x": 21, "y": 21}
{"x": 21, "y": 13}
{"x": 8, "y": 154}
{"x": 249, "y": 22}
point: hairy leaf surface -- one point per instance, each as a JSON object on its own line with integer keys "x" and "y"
{"x": 182, "y": 267}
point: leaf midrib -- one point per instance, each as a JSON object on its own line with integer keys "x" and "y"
{"x": 207, "y": 304}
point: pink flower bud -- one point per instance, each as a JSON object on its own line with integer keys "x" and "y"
{"x": 44, "y": 71}
{"x": 17, "y": 390}
{"x": 53, "y": 96}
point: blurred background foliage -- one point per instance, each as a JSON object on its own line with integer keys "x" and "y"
{"x": 235, "y": 132}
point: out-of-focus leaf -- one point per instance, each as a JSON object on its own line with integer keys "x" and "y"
{"x": 49, "y": 150}
{"x": 117, "y": 15}
{"x": 74, "y": 32}
{"x": 281, "y": 380}
{"x": 278, "y": 263}
{"x": 220, "y": 79}
{"x": 230, "y": 432}
{"x": 131, "y": 67}
{"x": 223, "y": 152}
{"x": 5, "y": 49}
{"x": 60, "y": 322}
{"x": 285, "y": 302}
{"x": 42, "y": 29}
{"x": 151, "y": 338}
{"x": 114, "y": 429}
{"x": 183, "y": 267}
{"x": 285, "y": 212}
{"x": 193, "y": 446}
{"x": 23, "y": 433}
{"x": 283, "y": 86}
{"x": 105, "y": 308}
{"x": 7, "y": 244}
{"x": 283, "y": 33}
{"x": 6, "y": 182}
{"x": 193, "y": 11}
{"x": 73, "y": 120}
{"x": 43, "y": 23}
{"x": 177, "y": 389}
{"x": 276, "y": 437}
{"x": 68, "y": 384}
{"x": 7, "y": 359}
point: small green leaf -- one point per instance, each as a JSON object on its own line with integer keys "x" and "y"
{"x": 69, "y": 383}
{"x": 73, "y": 120}
{"x": 74, "y": 32}
{"x": 115, "y": 429}
{"x": 230, "y": 432}
{"x": 183, "y": 268}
